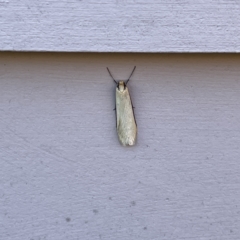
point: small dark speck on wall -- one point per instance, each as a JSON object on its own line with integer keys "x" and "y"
{"x": 145, "y": 228}
{"x": 133, "y": 203}
{"x": 68, "y": 219}
{"x": 95, "y": 211}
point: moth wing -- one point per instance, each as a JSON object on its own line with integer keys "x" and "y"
{"x": 126, "y": 124}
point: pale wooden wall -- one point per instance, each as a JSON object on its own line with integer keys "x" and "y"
{"x": 64, "y": 175}
{"x": 120, "y": 25}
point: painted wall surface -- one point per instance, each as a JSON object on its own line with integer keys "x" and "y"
{"x": 64, "y": 175}
{"x": 120, "y": 25}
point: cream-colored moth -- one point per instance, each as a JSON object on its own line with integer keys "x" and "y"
{"x": 126, "y": 123}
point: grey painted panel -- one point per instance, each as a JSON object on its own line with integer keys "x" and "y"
{"x": 120, "y": 26}
{"x": 64, "y": 174}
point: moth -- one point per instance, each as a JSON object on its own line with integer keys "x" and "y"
{"x": 126, "y": 123}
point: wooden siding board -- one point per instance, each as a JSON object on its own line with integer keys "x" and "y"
{"x": 120, "y": 26}
{"x": 64, "y": 174}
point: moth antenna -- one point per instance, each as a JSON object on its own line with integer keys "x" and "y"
{"x": 130, "y": 75}
{"x": 111, "y": 76}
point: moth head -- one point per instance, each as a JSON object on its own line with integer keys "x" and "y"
{"x": 121, "y": 86}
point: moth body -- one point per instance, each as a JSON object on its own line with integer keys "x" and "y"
{"x": 126, "y": 124}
